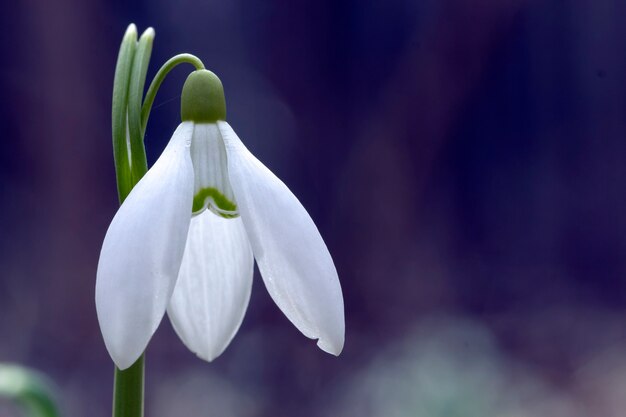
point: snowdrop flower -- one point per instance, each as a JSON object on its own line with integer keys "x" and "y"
{"x": 186, "y": 237}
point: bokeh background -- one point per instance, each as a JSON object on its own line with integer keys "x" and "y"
{"x": 463, "y": 159}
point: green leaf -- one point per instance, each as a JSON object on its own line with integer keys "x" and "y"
{"x": 30, "y": 389}
{"x": 139, "y": 164}
{"x": 119, "y": 112}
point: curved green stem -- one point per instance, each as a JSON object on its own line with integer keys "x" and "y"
{"x": 158, "y": 80}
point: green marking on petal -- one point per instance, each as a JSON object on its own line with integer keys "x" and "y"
{"x": 218, "y": 199}
{"x": 227, "y": 216}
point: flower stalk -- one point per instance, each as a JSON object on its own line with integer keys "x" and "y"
{"x": 158, "y": 80}
{"x": 128, "y": 390}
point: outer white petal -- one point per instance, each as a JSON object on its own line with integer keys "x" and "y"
{"x": 142, "y": 252}
{"x": 296, "y": 266}
{"x": 214, "y": 284}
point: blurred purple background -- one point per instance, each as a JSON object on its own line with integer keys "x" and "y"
{"x": 463, "y": 159}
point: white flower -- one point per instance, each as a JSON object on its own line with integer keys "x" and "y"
{"x": 156, "y": 255}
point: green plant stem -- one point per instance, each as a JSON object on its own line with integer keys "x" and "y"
{"x": 128, "y": 390}
{"x": 158, "y": 80}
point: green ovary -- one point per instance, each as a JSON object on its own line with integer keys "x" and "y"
{"x": 225, "y": 207}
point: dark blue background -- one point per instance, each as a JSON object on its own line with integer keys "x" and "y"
{"x": 463, "y": 159}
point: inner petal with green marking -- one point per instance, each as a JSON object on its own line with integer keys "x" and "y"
{"x": 212, "y": 188}
{"x": 214, "y": 200}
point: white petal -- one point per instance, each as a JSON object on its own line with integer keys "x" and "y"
{"x": 142, "y": 252}
{"x": 212, "y": 187}
{"x": 296, "y": 266}
{"x": 214, "y": 284}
